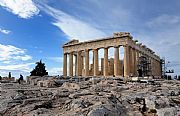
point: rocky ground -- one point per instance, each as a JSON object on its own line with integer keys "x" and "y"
{"x": 93, "y": 97}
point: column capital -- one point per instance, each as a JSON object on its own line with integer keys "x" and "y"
{"x": 106, "y": 48}
{"x": 95, "y": 49}
{"x": 86, "y": 50}
{"x": 133, "y": 48}
{"x": 116, "y": 46}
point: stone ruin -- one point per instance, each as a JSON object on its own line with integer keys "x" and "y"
{"x": 133, "y": 51}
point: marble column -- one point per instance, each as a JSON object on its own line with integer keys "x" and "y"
{"x": 154, "y": 67}
{"x": 133, "y": 61}
{"x": 86, "y": 62}
{"x": 105, "y": 62}
{"x": 130, "y": 60}
{"x": 95, "y": 54}
{"x": 82, "y": 64}
{"x": 78, "y": 63}
{"x": 71, "y": 64}
{"x": 160, "y": 73}
{"x": 116, "y": 60}
{"x": 75, "y": 56}
{"x": 150, "y": 66}
{"x": 137, "y": 62}
{"x": 152, "y": 62}
{"x": 65, "y": 65}
{"x": 126, "y": 61}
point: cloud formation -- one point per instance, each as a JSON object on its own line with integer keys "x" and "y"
{"x": 4, "y": 31}
{"x": 55, "y": 71}
{"x": 14, "y": 59}
{"x": 164, "y": 20}
{"x": 71, "y": 26}
{"x": 23, "y": 8}
{"x": 9, "y": 52}
{"x": 17, "y": 67}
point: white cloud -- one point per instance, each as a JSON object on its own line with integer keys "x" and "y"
{"x": 56, "y": 59}
{"x": 4, "y": 31}
{"x": 55, "y": 71}
{"x": 9, "y": 52}
{"x": 164, "y": 20}
{"x": 23, "y": 58}
{"x": 17, "y": 67}
{"x": 71, "y": 26}
{"x": 14, "y": 59}
{"x": 23, "y": 8}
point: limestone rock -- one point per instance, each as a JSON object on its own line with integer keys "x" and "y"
{"x": 71, "y": 86}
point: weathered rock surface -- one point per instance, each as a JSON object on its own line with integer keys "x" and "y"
{"x": 92, "y": 97}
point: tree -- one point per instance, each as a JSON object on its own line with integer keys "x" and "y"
{"x": 39, "y": 69}
{"x": 0, "y": 78}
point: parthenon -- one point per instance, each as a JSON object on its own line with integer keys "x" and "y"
{"x": 77, "y": 54}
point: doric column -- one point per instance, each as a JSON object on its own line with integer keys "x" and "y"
{"x": 153, "y": 67}
{"x": 160, "y": 73}
{"x": 71, "y": 64}
{"x": 105, "y": 62}
{"x": 82, "y": 63}
{"x": 136, "y": 62}
{"x": 150, "y": 65}
{"x": 130, "y": 60}
{"x": 116, "y": 60}
{"x": 133, "y": 59}
{"x": 65, "y": 65}
{"x": 156, "y": 68}
{"x": 86, "y": 62}
{"x": 95, "y": 54}
{"x": 78, "y": 63}
{"x": 75, "y": 64}
{"x": 126, "y": 61}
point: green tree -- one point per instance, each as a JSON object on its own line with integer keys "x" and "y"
{"x": 39, "y": 69}
{"x": 0, "y": 78}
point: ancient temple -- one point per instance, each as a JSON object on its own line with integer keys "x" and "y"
{"x": 136, "y": 57}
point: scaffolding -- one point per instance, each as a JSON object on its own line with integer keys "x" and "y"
{"x": 144, "y": 65}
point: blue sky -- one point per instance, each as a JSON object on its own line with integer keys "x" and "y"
{"x": 31, "y": 30}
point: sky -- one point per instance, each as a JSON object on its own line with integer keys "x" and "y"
{"x": 31, "y": 30}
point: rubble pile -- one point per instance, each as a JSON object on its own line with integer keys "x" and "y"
{"x": 92, "y": 97}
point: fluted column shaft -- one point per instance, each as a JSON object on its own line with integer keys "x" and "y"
{"x": 78, "y": 63}
{"x": 130, "y": 60}
{"x": 95, "y": 54}
{"x": 65, "y": 65}
{"x": 105, "y": 61}
{"x": 116, "y": 61}
{"x": 126, "y": 61}
{"x": 133, "y": 61}
{"x": 86, "y": 62}
{"x": 136, "y": 62}
{"x": 71, "y": 64}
